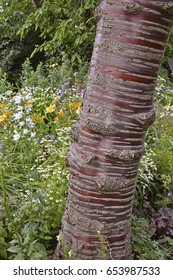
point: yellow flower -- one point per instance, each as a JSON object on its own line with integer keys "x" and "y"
{"x": 3, "y": 118}
{"x": 78, "y": 110}
{"x": 56, "y": 119}
{"x": 33, "y": 119}
{"x": 41, "y": 119}
{"x": 2, "y": 106}
{"x": 38, "y": 119}
{"x": 50, "y": 109}
{"x": 60, "y": 113}
{"x": 8, "y": 113}
{"x": 55, "y": 100}
{"x": 74, "y": 105}
{"x": 28, "y": 103}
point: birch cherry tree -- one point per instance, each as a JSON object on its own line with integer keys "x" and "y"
{"x": 108, "y": 138}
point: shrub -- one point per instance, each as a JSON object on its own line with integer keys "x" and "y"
{"x": 155, "y": 180}
{"x": 145, "y": 247}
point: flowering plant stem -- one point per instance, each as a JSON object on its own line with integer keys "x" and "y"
{"x": 6, "y": 207}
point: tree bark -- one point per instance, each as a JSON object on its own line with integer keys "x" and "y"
{"x": 108, "y": 138}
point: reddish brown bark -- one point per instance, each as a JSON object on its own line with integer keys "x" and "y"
{"x": 108, "y": 138}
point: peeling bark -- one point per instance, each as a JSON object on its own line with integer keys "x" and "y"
{"x": 108, "y": 139}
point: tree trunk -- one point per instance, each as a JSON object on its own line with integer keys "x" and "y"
{"x": 108, "y": 138}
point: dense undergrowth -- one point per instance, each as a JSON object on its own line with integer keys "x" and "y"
{"x": 35, "y": 122}
{"x": 153, "y": 205}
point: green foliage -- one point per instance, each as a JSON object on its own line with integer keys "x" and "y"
{"x": 65, "y": 26}
{"x": 34, "y": 130}
{"x": 35, "y": 121}
{"x": 155, "y": 178}
{"x": 13, "y": 52}
{"x": 144, "y": 246}
{"x": 145, "y": 181}
{"x": 4, "y": 84}
{"x": 162, "y": 146}
{"x": 152, "y": 230}
{"x": 3, "y": 244}
{"x": 164, "y": 89}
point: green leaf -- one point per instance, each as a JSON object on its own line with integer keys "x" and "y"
{"x": 15, "y": 249}
{"x": 3, "y": 253}
{"x": 45, "y": 237}
{"x": 20, "y": 256}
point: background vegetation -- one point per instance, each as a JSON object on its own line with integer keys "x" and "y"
{"x": 45, "y": 49}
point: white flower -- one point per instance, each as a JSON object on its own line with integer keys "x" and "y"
{"x": 25, "y": 131}
{"x": 33, "y": 134}
{"x": 58, "y": 237}
{"x": 17, "y": 99}
{"x": 18, "y": 115}
{"x": 29, "y": 122}
{"x": 16, "y": 136}
{"x": 28, "y": 93}
{"x": 28, "y": 108}
{"x": 19, "y": 108}
{"x": 21, "y": 124}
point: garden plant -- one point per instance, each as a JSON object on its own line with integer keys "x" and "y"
{"x": 42, "y": 88}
